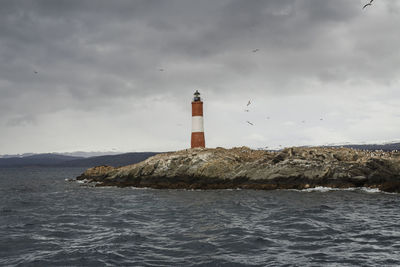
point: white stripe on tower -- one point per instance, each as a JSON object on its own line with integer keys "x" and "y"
{"x": 197, "y": 124}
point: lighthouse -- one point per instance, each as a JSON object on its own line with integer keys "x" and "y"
{"x": 197, "y": 122}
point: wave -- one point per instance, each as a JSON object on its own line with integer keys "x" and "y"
{"x": 321, "y": 189}
{"x": 324, "y": 189}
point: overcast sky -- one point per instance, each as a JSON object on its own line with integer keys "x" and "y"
{"x": 325, "y": 72}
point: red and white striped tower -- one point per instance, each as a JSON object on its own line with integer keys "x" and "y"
{"x": 197, "y": 122}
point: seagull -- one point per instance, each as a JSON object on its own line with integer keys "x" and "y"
{"x": 369, "y": 4}
{"x": 268, "y": 118}
{"x": 35, "y": 72}
{"x": 321, "y": 119}
{"x": 246, "y": 110}
{"x": 248, "y": 103}
{"x": 255, "y": 50}
{"x": 249, "y": 123}
{"x": 161, "y": 69}
{"x": 303, "y": 121}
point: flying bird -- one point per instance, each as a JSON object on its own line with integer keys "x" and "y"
{"x": 35, "y": 72}
{"x": 249, "y": 123}
{"x": 246, "y": 110}
{"x": 161, "y": 69}
{"x": 255, "y": 50}
{"x": 369, "y": 4}
{"x": 268, "y": 118}
{"x": 248, "y": 103}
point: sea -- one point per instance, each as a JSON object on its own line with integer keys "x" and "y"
{"x": 46, "y": 220}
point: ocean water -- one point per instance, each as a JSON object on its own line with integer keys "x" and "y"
{"x": 47, "y": 221}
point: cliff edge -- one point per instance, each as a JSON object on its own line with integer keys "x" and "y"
{"x": 291, "y": 168}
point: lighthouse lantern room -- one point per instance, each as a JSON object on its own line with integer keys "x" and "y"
{"x": 197, "y": 122}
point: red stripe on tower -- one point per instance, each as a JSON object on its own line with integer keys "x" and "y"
{"x": 197, "y": 122}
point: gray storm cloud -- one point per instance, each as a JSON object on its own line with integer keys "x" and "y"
{"x": 87, "y": 75}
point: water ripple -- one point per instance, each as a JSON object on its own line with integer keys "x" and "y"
{"x": 47, "y": 221}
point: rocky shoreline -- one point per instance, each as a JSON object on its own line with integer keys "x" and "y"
{"x": 291, "y": 168}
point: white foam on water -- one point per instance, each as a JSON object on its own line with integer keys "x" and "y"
{"x": 140, "y": 188}
{"x": 320, "y": 189}
{"x": 226, "y": 189}
{"x": 323, "y": 189}
{"x": 104, "y": 186}
{"x": 84, "y": 181}
{"x": 233, "y": 189}
{"x": 375, "y": 190}
{"x": 314, "y": 189}
{"x": 371, "y": 190}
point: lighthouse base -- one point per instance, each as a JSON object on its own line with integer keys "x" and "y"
{"x": 198, "y": 140}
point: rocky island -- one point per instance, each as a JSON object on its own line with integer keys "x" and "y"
{"x": 291, "y": 168}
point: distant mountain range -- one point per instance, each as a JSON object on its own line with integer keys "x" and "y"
{"x": 71, "y": 160}
{"x": 384, "y": 147}
{"x": 59, "y": 160}
{"x": 81, "y": 154}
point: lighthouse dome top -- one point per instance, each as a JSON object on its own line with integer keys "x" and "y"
{"x": 196, "y": 96}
